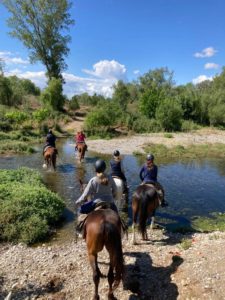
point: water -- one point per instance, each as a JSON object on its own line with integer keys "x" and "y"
{"x": 193, "y": 188}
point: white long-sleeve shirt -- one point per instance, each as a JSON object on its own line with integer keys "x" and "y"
{"x": 97, "y": 190}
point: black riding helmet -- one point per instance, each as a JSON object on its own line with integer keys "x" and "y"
{"x": 116, "y": 153}
{"x": 100, "y": 166}
{"x": 150, "y": 157}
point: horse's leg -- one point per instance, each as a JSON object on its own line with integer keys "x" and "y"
{"x": 134, "y": 220}
{"x": 54, "y": 161}
{"x": 110, "y": 280}
{"x": 152, "y": 220}
{"x": 96, "y": 276}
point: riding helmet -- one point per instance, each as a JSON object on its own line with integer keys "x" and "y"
{"x": 116, "y": 153}
{"x": 150, "y": 157}
{"x": 100, "y": 166}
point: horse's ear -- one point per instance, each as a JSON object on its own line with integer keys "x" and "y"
{"x": 81, "y": 182}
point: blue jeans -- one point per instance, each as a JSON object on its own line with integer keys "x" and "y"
{"x": 86, "y": 208}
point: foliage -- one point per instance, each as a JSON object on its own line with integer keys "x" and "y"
{"x": 185, "y": 243}
{"x": 41, "y": 26}
{"x": 52, "y": 96}
{"x": 16, "y": 116}
{"x": 73, "y": 103}
{"x": 5, "y": 91}
{"x": 217, "y": 115}
{"x": 169, "y": 115}
{"x": 102, "y": 118}
{"x": 41, "y": 114}
{"x": 121, "y": 94}
{"x": 27, "y": 208}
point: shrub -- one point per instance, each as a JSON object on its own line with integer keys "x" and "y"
{"x": 27, "y": 207}
{"x": 16, "y": 116}
{"x": 169, "y": 115}
{"x": 41, "y": 114}
{"x": 52, "y": 95}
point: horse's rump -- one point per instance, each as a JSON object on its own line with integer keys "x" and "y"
{"x": 103, "y": 228}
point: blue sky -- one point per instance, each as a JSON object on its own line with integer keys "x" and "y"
{"x": 123, "y": 39}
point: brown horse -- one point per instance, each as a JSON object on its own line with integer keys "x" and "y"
{"x": 81, "y": 148}
{"x": 50, "y": 157}
{"x": 145, "y": 200}
{"x": 103, "y": 228}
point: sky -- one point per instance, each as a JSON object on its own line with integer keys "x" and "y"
{"x": 124, "y": 39}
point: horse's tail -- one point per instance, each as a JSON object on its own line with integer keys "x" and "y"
{"x": 143, "y": 213}
{"x": 114, "y": 246}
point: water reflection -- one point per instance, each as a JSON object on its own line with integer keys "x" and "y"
{"x": 193, "y": 187}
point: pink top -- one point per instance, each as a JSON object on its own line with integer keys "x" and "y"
{"x": 80, "y": 138}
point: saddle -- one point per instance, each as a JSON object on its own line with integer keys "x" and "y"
{"x": 83, "y": 217}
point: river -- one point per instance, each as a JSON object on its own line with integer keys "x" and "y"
{"x": 193, "y": 187}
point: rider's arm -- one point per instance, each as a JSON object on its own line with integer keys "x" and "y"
{"x": 89, "y": 190}
{"x": 141, "y": 174}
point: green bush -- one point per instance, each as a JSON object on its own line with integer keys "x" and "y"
{"x": 169, "y": 115}
{"x": 188, "y": 125}
{"x": 52, "y": 95}
{"x": 41, "y": 114}
{"x": 217, "y": 115}
{"x": 16, "y": 116}
{"x": 143, "y": 124}
{"x": 27, "y": 207}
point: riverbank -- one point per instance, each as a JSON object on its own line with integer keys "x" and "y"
{"x": 137, "y": 143}
{"x": 169, "y": 266}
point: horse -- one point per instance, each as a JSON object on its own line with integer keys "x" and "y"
{"x": 50, "y": 157}
{"x": 81, "y": 148}
{"x": 145, "y": 200}
{"x": 121, "y": 197}
{"x": 103, "y": 228}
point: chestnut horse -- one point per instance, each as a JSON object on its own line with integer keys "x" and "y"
{"x": 81, "y": 148}
{"x": 145, "y": 200}
{"x": 103, "y": 228}
{"x": 50, "y": 157}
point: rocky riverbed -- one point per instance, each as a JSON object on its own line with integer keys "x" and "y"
{"x": 168, "y": 266}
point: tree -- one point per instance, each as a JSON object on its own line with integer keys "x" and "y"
{"x": 41, "y": 26}
{"x": 121, "y": 94}
{"x": 52, "y": 96}
{"x": 5, "y": 91}
{"x": 169, "y": 115}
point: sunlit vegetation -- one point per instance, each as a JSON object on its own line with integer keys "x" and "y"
{"x": 28, "y": 209}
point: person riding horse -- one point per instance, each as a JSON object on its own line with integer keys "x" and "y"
{"x": 148, "y": 174}
{"x": 80, "y": 139}
{"x": 100, "y": 188}
{"x": 50, "y": 140}
{"x": 117, "y": 169}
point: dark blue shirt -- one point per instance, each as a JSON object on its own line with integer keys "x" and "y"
{"x": 50, "y": 139}
{"x": 116, "y": 169}
{"x": 149, "y": 174}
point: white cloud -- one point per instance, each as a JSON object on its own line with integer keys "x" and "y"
{"x": 9, "y": 58}
{"x": 207, "y": 52}
{"x": 211, "y": 66}
{"x": 104, "y": 75}
{"x": 37, "y": 78}
{"x": 107, "y": 69}
{"x": 201, "y": 78}
{"x": 136, "y": 72}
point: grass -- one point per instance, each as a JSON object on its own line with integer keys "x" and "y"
{"x": 216, "y": 222}
{"x": 185, "y": 243}
{"x": 192, "y": 151}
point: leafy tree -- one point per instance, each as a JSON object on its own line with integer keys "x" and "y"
{"x": 169, "y": 115}
{"x": 149, "y": 102}
{"x": 121, "y": 94}
{"x": 5, "y": 91}
{"x": 30, "y": 88}
{"x": 52, "y": 96}
{"x": 41, "y": 26}
{"x": 217, "y": 115}
{"x": 73, "y": 103}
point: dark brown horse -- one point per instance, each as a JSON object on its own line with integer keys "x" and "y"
{"x": 145, "y": 200}
{"x": 50, "y": 157}
{"x": 103, "y": 228}
{"x": 81, "y": 148}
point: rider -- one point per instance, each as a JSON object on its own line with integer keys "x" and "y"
{"x": 50, "y": 140}
{"x": 101, "y": 188}
{"x": 80, "y": 138}
{"x": 117, "y": 169}
{"x": 149, "y": 172}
